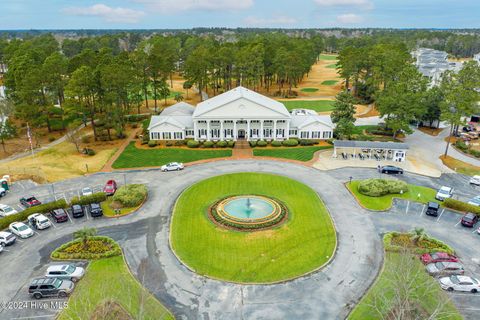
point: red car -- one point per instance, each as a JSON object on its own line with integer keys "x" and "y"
{"x": 437, "y": 257}
{"x": 30, "y": 201}
{"x": 59, "y": 215}
{"x": 110, "y": 187}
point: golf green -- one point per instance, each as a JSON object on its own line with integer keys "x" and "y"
{"x": 305, "y": 242}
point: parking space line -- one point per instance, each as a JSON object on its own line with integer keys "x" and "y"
{"x": 438, "y": 219}
{"x": 408, "y": 205}
{"x": 52, "y": 223}
{"x": 474, "y": 230}
{"x": 423, "y": 210}
{"x": 36, "y": 233}
{"x": 458, "y": 222}
{"x": 19, "y": 240}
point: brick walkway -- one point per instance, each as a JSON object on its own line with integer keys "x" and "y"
{"x": 242, "y": 150}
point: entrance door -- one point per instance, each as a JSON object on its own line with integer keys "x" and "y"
{"x": 241, "y": 134}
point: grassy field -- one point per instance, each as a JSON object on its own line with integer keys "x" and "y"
{"x": 426, "y": 292}
{"x": 317, "y": 105}
{"x": 133, "y": 157}
{"x": 293, "y": 153}
{"x": 305, "y": 242}
{"x": 309, "y": 89}
{"x": 460, "y": 166}
{"x": 327, "y": 57}
{"x": 109, "y": 279}
{"x": 361, "y": 129}
{"x": 329, "y": 82}
{"x": 385, "y": 202}
{"x": 110, "y": 212}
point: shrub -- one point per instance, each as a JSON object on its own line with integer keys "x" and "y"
{"x": 381, "y": 187}
{"x": 134, "y": 125}
{"x": 98, "y": 247}
{"x": 51, "y": 139}
{"x": 231, "y": 144}
{"x": 84, "y": 200}
{"x": 193, "y": 144}
{"x": 461, "y": 145}
{"x": 208, "y": 144}
{"x": 461, "y": 206}
{"x": 475, "y": 153}
{"x": 426, "y": 245}
{"x": 276, "y": 143}
{"x": 21, "y": 216}
{"x": 85, "y": 139}
{"x": 152, "y": 143}
{"x": 253, "y": 144}
{"x": 130, "y": 195}
{"x": 290, "y": 143}
{"x": 261, "y": 143}
{"x": 222, "y": 144}
{"x": 304, "y": 142}
{"x": 169, "y": 143}
{"x": 90, "y": 152}
{"x": 179, "y": 143}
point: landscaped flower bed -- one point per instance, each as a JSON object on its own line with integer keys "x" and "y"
{"x": 96, "y": 247}
{"x": 397, "y": 241}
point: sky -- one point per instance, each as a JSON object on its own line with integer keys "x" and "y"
{"x": 180, "y": 14}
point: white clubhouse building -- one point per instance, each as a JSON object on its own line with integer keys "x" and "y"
{"x": 238, "y": 114}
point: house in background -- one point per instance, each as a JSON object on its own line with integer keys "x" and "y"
{"x": 236, "y": 115}
{"x": 433, "y": 63}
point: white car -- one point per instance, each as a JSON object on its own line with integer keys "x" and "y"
{"x": 1, "y": 247}
{"x": 6, "y": 210}
{"x": 444, "y": 193}
{"x": 475, "y": 180}
{"x": 39, "y": 221}
{"x": 172, "y": 166}
{"x": 7, "y": 238}
{"x": 21, "y": 230}
{"x": 460, "y": 283}
{"x": 3, "y": 192}
{"x": 65, "y": 272}
{"x": 475, "y": 201}
{"x": 87, "y": 191}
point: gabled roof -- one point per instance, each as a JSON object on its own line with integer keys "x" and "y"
{"x": 301, "y": 121}
{"x": 181, "y": 122}
{"x": 235, "y": 94}
{"x": 178, "y": 109}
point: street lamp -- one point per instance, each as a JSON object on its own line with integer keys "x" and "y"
{"x": 351, "y": 179}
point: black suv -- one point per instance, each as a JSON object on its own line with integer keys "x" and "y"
{"x": 50, "y": 287}
{"x": 77, "y": 211}
{"x": 95, "y": 210}
{"x": 432, "y": 209}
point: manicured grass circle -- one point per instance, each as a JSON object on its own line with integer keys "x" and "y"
{"x": 301, "y": 245}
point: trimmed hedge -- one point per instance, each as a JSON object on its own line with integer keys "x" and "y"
{"x": 381, "y": 187}
{"x": 231, "y": 143}
{"x": 304, "y": 142}
{"x": 60, "y": 254}
{"x": 152, "y": 143}
{"x": 130, "y": 195}
{"x": 433, "y": 244}
{"x": 208, "y": 144}
{"x": 222, "y": 144}
{"x": 262, "y": 143}
{"x": 193, "y": 144}
{"x": 94, "y": 198}
{"x": 461, "y": 206}
{"x": 290, "y": 143}
{"x": 253, "y": 143}
{"x": 22, "y": 216}
{"x": 276, "y": 143}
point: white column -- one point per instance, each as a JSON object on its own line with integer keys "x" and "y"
{"x": 274, "y": 129}
{"x": 222, "y": 135}
{"x": 235, "y": 130}
{"x": 195, "y": 133}
{"x": 248, "y": 130}
{"x": 261, "y": 129}
{"x": 208, "y": 130}
{"x": 287, "y": 130}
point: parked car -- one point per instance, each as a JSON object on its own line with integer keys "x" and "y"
{"x": 1, "y": 248}
{"x": 65, "y": 272}
{"x": 110, "y": 188}
{"x": 50, "y": 287}
{"x": 475, "y": 180}
{"x": 20, "y": 229}
{"x": 95, "y": 210}
{"x": 460, "y": 283}
{"x": 172, "y": 166}
{"x": 475, "y": 201}
{"x": 445, "y": 268}
{"x": 39, "y": 221}
{"x": 432, "y": 209}
{"x": 469, "y": 220}
{"x": 59, "y": 215}
{"x": 6, "y": 210}
{"x": 87, "y": 191}
{"x": 30, "y": 201}
{"x": 7, "y": 238}
{"x": 3, "y": 192}
{"x": 391, "y": 170}
{"x": 444, "y": 193}
{"x": 77, "y": 211}
{"x": 437, "y": 257}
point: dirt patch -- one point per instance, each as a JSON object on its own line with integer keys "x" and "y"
{"x": 460, "y": 166}
{"x": 110, "y": 310}
{"x": 369, "y": 112}
{"x": 431, "y": 131}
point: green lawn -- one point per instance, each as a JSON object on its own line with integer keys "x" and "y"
{"x": 426, "y": 293}
{"x": 109, "y": 212}
{"x": 133, "y": 157}
{"x": 309, "y": 89}
{"x": 361, "y": 129}
{"x": 385, "y": 202}
{"x": 294, "y": 153}
{"x": 302, "y": 244}
{"x": 317, "y": 105}
{"x": 329, "y": 82}
{"x": 327, "y": 57}
{"x": 109, "y": 279}
{"x": 332, "y": 66}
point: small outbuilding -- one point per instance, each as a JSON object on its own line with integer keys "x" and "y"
{"x": 373, "y": 150}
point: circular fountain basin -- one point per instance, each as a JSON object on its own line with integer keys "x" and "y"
{"x": 248, "y": 212}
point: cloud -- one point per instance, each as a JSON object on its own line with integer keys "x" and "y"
{"x": 168, "y": 6}
{"x": 263, "y": 22}
{"x": 363, "y": 4}
{"x": 109, "y": 14}
{"x": 349, "y": 18}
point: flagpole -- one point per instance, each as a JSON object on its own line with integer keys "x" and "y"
{"x": 29, "y": 135}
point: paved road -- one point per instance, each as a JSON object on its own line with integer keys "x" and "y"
{"x": 326, "y": 294}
